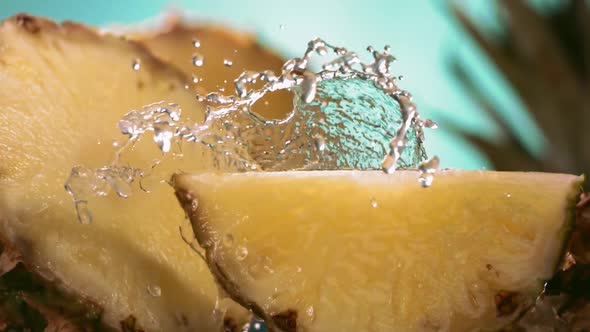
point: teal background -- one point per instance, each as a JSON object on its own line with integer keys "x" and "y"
{"x": 422, "y": 33}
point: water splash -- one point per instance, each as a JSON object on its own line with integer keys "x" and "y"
{"x": 347, "y": 115}
{"x": 85, "y": 183}
{"x": 427, "y": 170}
{"x": 348, "y": 125}
{"x": 82, "y": 211}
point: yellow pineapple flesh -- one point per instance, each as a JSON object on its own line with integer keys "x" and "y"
{"x": 64, "y": 87}
{"x": 366, "y": 251}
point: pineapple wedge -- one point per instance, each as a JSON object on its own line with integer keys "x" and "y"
{"x": 216, "y": 44}
{"x": 366, "y": 251}
{"x": 63, "y": 89}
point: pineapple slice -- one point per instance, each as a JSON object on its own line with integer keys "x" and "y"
{"x": 64, "y": 87}
{"x": 366, "y": 251}
{"x": 216, "y": 44}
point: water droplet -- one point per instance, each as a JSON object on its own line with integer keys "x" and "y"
{"x": 508, "y": 195}
{"x": 241, "y": 253}
{"x": 136, "y": 65}
{"x": 154, "y": 290}
{"x": 121, "y": 187}
{"x": 374, "y": 202}
{"x": 84, "y": 183}
{"x": 340, "y": 50}
{"x": 228, "y": 240}
{"x": 319, "y": 142}
{"x": 430, "y": 165}
{"x": 163, "y": 135}
{"x": 195, "y": 79}
{"x": 131, "y": 124}
{"x": 308, "y": 87}
{"x": 318, "y": 45}
{"x": 430, "y": 124}
{"x": 196, "y": 43}
{"x": 427, "y": 169}
{"x": 194, "y": 205}
{"x": 389, "y": 163}
{"x": 425, "y": 180}
{"x": 309, "y": 311}
{"x": 228, "y": 63}
{"x": 198, "y": 60}
{"x": 282, "y": 27}
{"x": 84, "y": 214}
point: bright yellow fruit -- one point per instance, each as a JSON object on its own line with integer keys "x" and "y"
{"x": 63, "y": 89}
{"x": 366, "y": 251}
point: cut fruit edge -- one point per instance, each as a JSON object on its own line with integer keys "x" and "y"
{"x": 566, "y": 295}
{"x": 574, "y": 256}
{"x": 568, "y": 292}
